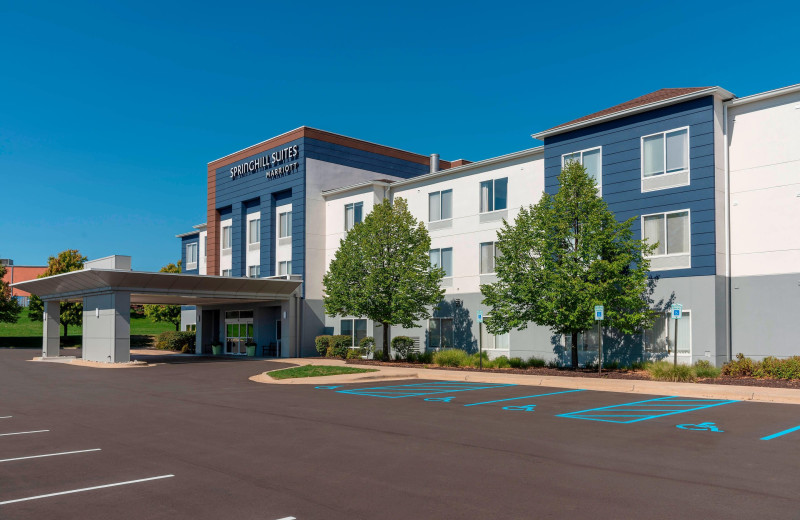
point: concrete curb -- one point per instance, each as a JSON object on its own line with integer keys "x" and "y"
{"x": 737, "y": 393}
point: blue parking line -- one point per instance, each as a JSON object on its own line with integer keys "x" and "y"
{"x": 420, "y": 389}
{"x": 524, "y": 397}
{"x": 784, "y": 432}
{"x": 638, "y": 411}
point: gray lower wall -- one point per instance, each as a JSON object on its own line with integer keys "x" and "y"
{"x": 764, "y": 320}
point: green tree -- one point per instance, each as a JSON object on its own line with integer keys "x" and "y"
{"x": 166, "y": 313}
{"x": 562, "y": 257}
{"x": 9, "y": 307}
{"x": 382, "y": 271}
{"x": 71, "y": 313}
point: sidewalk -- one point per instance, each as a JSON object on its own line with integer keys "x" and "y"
{"x": 738, "y": 393}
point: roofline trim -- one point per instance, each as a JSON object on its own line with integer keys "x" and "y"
{"x": 765, "y": 95}
{"x": 187, "y": 234}
{"x": 724, "y": 94}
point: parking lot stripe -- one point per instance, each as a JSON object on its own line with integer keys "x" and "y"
{"x": 637, "y": 411}
{"x": 784, "y": 432}
{"x": 83, "y": 489}
{"x": 420, "y": 389}
{"x": 22, "y": 433}
{"x": 49, "y": 455}
{"x": 7, "y": 417}
{"x": 525, "y": 397}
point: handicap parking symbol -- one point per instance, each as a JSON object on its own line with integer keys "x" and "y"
{"x": 703, "y": 427}
{"x": 326, "y": 387}
{"x": 440, "y": 399}
{"x": 524, "y": 408}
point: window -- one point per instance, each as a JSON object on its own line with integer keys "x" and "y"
{"x": 591, "y": 159}
{"x": 285, "y": 224}
{"x": 226, "y": 237}
{"x": 491, "y": 342}
{"x": 494, "y": 195}
{"x": 356, "y": 329}
{"x": 440, "y": 205}
{"x": 443, "y": 258}
{"x": 670, "y": 230}
{"x": 254, "y": 231}
{"x": 191, "y": 255}
{"x": 660, "y": 337}
{"x": 489, "y": 252}
{"x": 191, "y": 328}
{"x": 440, "y": 333}
{"x": 665, "y": 153}
{"x": 285, "y": 267}
{"x": 227, "y": 272}
{"x": 254, "y": 271}
{"x": 353, "y": 214}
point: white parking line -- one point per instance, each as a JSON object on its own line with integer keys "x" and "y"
{"x": 7, "y": 417}
{"x": 49, "y": 455}
{"x": 288, "y": 518}
{"x": 83, "y": 489}
{"x": 23, "y": 433}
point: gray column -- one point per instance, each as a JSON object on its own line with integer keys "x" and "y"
{"x": 198, "y": 333}
{"x": 50, "y": 333}
{"x": 107, "y": 327}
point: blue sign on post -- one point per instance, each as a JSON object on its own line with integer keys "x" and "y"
{"x": 598, "y": 313}
{"x": 480, "y": 316}
{"x": 677, "y": 311}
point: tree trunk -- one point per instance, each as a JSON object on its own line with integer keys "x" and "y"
{"x": 574, "y": 350}
{"x": 65, "y": 329}
{"x": 385, "y": 341}
{"x": 177, "y": 327}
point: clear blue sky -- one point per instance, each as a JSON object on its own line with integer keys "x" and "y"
{"x": 110, "y": 111}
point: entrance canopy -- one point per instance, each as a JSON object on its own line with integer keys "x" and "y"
{"x": 107, "y": 295}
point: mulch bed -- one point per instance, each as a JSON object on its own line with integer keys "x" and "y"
{"x": 640, "y": 375}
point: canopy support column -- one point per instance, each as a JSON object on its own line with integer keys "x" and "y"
{"x": 50, "y": 334}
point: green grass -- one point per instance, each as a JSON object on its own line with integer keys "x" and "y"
{"x": 316, "y": 371}
{"x": 28, "y": 334}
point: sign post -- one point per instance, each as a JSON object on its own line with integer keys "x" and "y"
{"x": 677, "y": 311}
{"x": 480, "y": 340}
{"x": 599, "y": 315}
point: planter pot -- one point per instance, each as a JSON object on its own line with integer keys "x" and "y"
{"x": 216, "y": 350}
{"x": 251, "y": 351}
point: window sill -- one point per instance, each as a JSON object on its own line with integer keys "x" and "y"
{"x": 440, "y": 224}
{"x": 493, "y": 216}
{"x": 227, "y": 252}
{"x": 284, "y": 241}
{"x": 665, "y": 181}
{"x": 189, "y": 267}
{"x": 668, "y": 262}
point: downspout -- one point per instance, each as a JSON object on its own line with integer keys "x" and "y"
{"x": 728, "y": 281}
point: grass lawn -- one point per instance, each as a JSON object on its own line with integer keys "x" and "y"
{"x": 26, "y": 333}
{"x": 316, "y": 371}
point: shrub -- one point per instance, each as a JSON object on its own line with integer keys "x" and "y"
{"x": 367, "y": 345}
{"x": 322, "y": 343}
{"x": 176, "y": 340}
{"x": 704, "y": 369}
{"x": 452, "y": 357}
{"x": 638, "y": 365}
{"x": 502, "y": 362}
{"x": 354, "y": 353}
{"x": 537, "y": 362}
{"x": 425, "y": 357}
{"x": 517, "y": 362}
{"x": 403, "y": 346}
{"x": 666, "y": 371}
{"x": 339, "y": 345}
{"x": 611, "y": 365}
{"x": 775, "y": 368}
{"x": 739, "y": 367}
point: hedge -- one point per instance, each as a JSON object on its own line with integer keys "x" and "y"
{"x": 176, "y": 340}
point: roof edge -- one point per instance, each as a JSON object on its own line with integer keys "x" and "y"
{"x": 765, "y": 95}
{"x": 721, "y": 92}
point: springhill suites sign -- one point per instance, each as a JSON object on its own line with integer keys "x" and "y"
{"x": 277, "y": 164}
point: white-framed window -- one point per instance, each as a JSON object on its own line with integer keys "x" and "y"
{"x": 285, "y": 267}
{"x": 591, "y": 159}
{"x": 254, "y": 271}
{"x": 494, "y": 195}
{"x": 440, "y": 333}
{"x": 665, "y": 159}
{"x": 355, "y": 328}
{"x": 443, "y": 257}
{"x": 191, "y": 255}
{"x": 660, "y": 338}
{"x": 488, "y": 253}
{"x": 671, "y": 231}
{"x": 285, "y": 224}
{"x": 254, "y": 231}
{"x": 353, "y": 214}
{"x": 227, "y": 238}
{"x": 495, "y": 342}
{"x": 440, "y": 205}
{"x": 227, "y": 272}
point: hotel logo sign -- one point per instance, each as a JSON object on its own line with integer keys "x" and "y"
{"x": 276, "y": 164}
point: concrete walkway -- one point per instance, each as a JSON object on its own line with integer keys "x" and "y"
{"x": 739, "y": 393}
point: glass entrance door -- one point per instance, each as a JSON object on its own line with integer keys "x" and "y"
{"x": 238, "y": 331}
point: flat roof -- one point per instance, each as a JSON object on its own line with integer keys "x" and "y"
{"x": 161, "y": 288}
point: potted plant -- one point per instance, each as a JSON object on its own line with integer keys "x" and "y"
{"x": 251, "y": 348}
{"x": 216, "y": 348}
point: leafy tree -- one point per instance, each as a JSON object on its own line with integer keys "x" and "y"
{"x": 382, "y": 270}
{"x": 166, "y": 313}
{"x": 562, "y": 257}
{"x": 71, "y": 313}
{"x": 9, "y": 307}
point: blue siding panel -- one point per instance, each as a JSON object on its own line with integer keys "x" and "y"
{"x": 621, "y": 172}
{"x": 189, "y": 240}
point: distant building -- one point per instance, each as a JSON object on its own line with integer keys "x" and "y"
{"x": 20, "y": 273}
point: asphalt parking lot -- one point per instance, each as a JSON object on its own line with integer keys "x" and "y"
{"x": 196, "y": 439}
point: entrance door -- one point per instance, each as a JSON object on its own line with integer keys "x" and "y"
{"x": 238, "y": 331}
{"x": 278, "y": 336}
